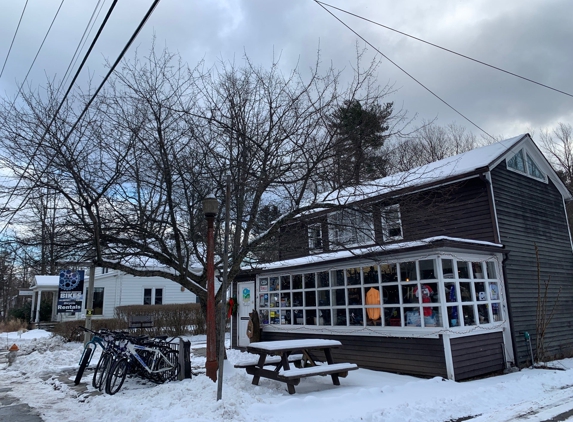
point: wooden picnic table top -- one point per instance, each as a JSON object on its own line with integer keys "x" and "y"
{"x": 290, "y": 345}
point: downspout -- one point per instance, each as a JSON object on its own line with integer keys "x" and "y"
{"x": 509, "y": 312}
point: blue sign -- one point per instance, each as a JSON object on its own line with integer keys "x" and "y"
{"x": 70, "y": 291}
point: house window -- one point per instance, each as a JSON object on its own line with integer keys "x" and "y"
{"x": 391, "y": 223}
{"x": 424, "y": 293}
{"x": 97, "y": 308}
{"x": 154, "y": 296}
{"x": 315, "y": 237}
{"x": 350, "y": 228}
{"x": 523, "y": 163}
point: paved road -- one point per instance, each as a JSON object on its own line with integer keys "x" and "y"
{"x": 13, "y": 410}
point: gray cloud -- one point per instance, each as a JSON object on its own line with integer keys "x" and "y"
{"x": 531, "y": 38}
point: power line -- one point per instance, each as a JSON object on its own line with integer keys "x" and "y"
{"x": 83, "y": 39}
{"x": 13, "y": 38}
{"x": 86, "y": 107}
{"x": 448, "y": 50}
{"x": 38, "y": 52}
{"x": 403, "y": 70}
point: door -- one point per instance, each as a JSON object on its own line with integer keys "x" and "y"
{"x": 246, "y": 299}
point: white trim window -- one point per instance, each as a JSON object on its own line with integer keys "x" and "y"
{"x": 349, "y": 228}
{"x": 391, "y": 223}
{"x": 315, "y": 243}
{"x": 153, "y": 296}
{"x": 431, "y": 292}
{"x": 522, "y": 163}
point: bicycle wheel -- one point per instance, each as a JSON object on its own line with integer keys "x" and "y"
{"x": 116, "y": 376}
{"x": 100, "y": 372}
{"x": 84, "y": 362}
{"x": 168, "y": 368}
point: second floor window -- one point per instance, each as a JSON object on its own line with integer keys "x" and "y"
{"x": 315, "y": 237}
{"x": 391, "y": 223}
{"x": 350, "y": 228}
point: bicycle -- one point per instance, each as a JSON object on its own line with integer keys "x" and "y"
{"x": 88, "y": 352}
{"x": 158, "y": 364}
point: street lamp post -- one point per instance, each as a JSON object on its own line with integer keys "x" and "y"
{"x": 210, "y": 209}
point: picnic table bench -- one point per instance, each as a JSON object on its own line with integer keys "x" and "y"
{"x": 279, "y": 355}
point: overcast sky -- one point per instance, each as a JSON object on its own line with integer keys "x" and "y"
{"x": 532, "y": 38}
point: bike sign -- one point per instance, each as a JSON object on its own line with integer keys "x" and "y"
{"x": 70, "y": 291}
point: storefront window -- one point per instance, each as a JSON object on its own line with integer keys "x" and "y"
{"x": 424, "y": 293}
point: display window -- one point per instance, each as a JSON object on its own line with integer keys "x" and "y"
{"x": 433, "y": 292}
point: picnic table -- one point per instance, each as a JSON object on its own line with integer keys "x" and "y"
{"x": 278, "y": 355}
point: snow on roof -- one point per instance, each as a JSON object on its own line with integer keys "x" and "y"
{"x": 349, "y": 253}
{"x": 46, "y": 281}
{"x": 433, "y": 172}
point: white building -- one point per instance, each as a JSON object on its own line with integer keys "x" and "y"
{"x": 112, "y": 288}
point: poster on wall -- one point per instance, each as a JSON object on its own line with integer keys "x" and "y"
{"x": 70, "y": 291}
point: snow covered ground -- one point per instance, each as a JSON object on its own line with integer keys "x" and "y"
{"x": 43, "y": 372}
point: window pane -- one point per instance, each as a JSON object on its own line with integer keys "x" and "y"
{"x": 274, "y": 300}
{"x": 324, "y": 318}
{"x": 324, "y": 298}
{"x": 353, "y": 276}
{"x": 493, "y": 291}
{"x": 429, "y": 292}
{"x": 463, "y": 270}
{"x": 274, "y": 284}
{"x": 355, "y": 296}
{"x": 297, "y": 281}
{"x": 311, "y": 317}
{"x": 264, "y": 300}
{"x": 370, "y": 275}
{"x": 158, "y": 296}
{"x": 339, "y": 297}
{"x": 453, "y": 314}
{"x": 389, "y": 273}
{"x": 298, "y": 317}
{"x": 285, "y": 300}
{"x": 340, "y": 317}
{"x": 264, "y": 284}
{"x": 264, "y": 315}
{"x": 483, "y": 314}
{"x": 466, "y": 290}
{"x": 392, "y": 317}
{"x": 309, "y": 281}
{"x": 408, "y": 271}
{"x": 338, "y": 278}
{"x": 97, "y": 301}
{"x": 432, "y": 317}
{"x": 517, "y": 162}
{"x": 495, "y": 312}
{"x": 448, "y": 268}
{"x": 391, "y": 294}
{"x": 469, "y": 317}
{"x": 286, "y": 317}
{"x": 274, "y": 317}
{"x": 408, "y": 295}
{"x": 147, "y": 296}
{"x": 451, "y": 292}
{"x": 532, "y": 168}
{"x": 481, "y": 294}
{"x": 310, "y": 298}
{"x": 412, "y": 317}
{"x": 285, "y": 282}
{"x": 477, "y": 269}
{"x": 491, "y": 269}
{"x": 356, "y": 316}
{"x": 323, "y": 279}
{"x": 427, "y": 269}
{"x": 297, "y": 299}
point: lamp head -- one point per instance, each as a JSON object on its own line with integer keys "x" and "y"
{"x": 210, "y": 205}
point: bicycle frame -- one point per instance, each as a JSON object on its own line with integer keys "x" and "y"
{"x": 157, "y": 356}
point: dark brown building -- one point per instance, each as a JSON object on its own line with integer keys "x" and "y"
{"x": 432, "y": 272}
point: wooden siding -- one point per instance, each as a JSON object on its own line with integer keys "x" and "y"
{"x": 530, "y": 213}
{"x": 478, "y": 355}
{"x": 457, "y": 210}
{"x": 414, "y": 356}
